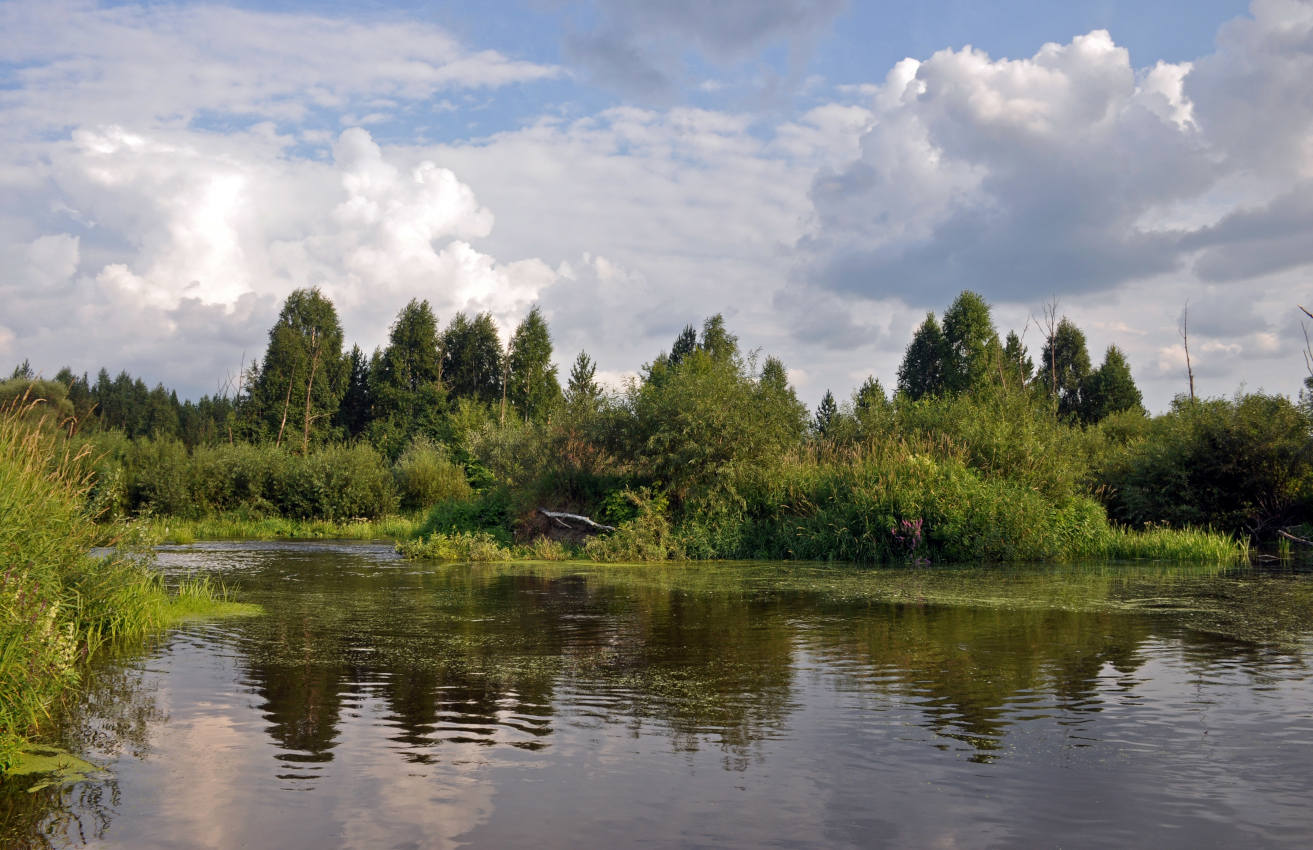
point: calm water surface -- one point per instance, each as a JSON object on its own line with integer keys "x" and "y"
{"x": 386, "y": 704}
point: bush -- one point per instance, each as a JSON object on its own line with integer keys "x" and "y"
{"x": 1243, "y": 466}
{"x": 426, "y": 475}
{"x": 489, "y": 511}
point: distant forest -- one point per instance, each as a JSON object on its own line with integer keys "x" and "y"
{"x": 980, "y": 450}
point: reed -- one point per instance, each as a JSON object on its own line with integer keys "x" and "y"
{"x": 58, "y": 605}
{"x": 238, "y": 526}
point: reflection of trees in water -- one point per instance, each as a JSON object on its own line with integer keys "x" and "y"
{"x": 478, "y": 654}
{"x": 110, "y": 714}
{"x": 968, "y": 669}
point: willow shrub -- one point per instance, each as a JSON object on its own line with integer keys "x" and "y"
{"x": 159, "y": 476}
{"x": 1243, "y": 466}
{"x": 425, "y": 475}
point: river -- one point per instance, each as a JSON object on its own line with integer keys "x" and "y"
{"x": 380, "y": 703}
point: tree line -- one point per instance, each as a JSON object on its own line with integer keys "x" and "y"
{"x": 708, "y": 449}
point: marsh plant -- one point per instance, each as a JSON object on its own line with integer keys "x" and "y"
{"x": 58, "y": 604}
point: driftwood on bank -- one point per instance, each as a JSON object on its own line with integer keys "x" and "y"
{"x": 574, "y": 522}
{"x": 1292, "y": 537}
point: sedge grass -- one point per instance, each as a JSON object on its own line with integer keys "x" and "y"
{"x": 242, "y": 527}
{"x": 58, "y": 605}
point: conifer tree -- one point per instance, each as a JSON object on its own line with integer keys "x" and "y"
{"x": 1016, "y": 361}
{"x": 1110, "y": 388}
{"x": 1065, "y": 368}
{"x": 922, "y": 371}
{"x": 826, "y": 412}
{"x": 582, "y": 385}
{"x": 685, "y": 344}
{"x": 357, "y": 402}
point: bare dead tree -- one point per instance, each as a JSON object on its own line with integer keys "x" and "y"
{"x": 287, "y": 401}
{"x": 1185, "y": 341}
{"x": 1308, "y": 344}
{"x": 1050, "y": 325}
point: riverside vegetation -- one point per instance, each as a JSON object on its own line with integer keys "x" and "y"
{"x": 449, "y": 442}
{"x": 59, "y": 604}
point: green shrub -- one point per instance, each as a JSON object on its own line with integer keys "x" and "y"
{"x": 649, "y": 536}
{"x": 456, "y": 546}
{"x": 1244, "y": 466}
{"x": 426, "y": 475}
{"x": 489, "y": 511}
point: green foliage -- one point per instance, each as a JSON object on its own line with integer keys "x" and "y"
{"x": 489, "y": 511}
{"x": 297, "y": 391}
{"x": 685, "y": 344}
{"x": 426, "y": 475}
{"x": 57, "y": 604}
{"x": 582, "y": 392}
{"x": 648, "y": 536}
{"x": 826, "y": 412}
{"x": 532, "y": 386}
{"x": 704, "y": 417}
{"x": 1017, "y": 365}
{"x": 1110, "y": 389}
{"x": 405, "y": 382}
{"x": 1065, "y": 369}
{"x": 472, "y": 358}
{"x": 1244, "y": 466}
{"x": 332, "y": 482}
{"x": 467, "y": 546}
{"x": 922, "y": 372}
{"x": 971, "y": 349}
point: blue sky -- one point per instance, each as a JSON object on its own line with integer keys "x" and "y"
{"x": 822, "y": 172}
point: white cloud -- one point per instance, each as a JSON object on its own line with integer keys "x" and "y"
{"x": 186, "y": 225}
{"x": 80, "y": 63}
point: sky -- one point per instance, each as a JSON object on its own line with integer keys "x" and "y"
{"x": 821, "y": 173}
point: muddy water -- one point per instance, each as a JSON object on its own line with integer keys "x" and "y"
{"x": 384, "y": 704}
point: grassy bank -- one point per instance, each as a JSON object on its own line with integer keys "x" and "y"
{"x": 888, "y": 504}
{"x": 242, "y": 527}
{"x": 58, "y": 605}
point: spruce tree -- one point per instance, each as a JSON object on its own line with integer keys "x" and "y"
{"x": 922, "y": 371}
{"x": 685, "y": 344}
{"x": 1016, "y": 361}
{"x": 1065, "y": 368}
{"x": 1110, "y": 388}
{"x": 582, "y": 389}
{"x": 826, "y": 412}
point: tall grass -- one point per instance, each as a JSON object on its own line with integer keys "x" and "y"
{"x": 57, "y": 604}
{"x": 242, "y": 526}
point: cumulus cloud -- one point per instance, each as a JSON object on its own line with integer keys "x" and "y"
{"x": 639, "y": 46}
{"x": 197, "y": 240}
{"x": 1011, "y": 176}
{"x": 1072, "y": 171}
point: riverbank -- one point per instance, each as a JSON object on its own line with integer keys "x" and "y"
{"x": 59, "y": 605}
{"x": 169, "y": 529}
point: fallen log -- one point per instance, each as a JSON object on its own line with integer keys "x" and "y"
{"x": 573, "y": 521}
{"x": 1290, "y": 536}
